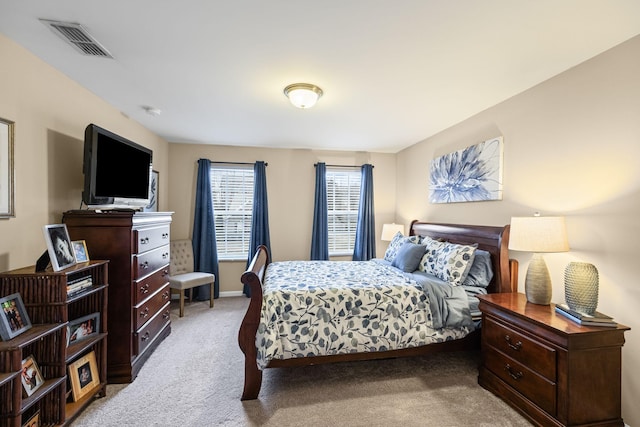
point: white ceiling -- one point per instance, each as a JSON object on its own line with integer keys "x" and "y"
{"x": 393, "y": 72}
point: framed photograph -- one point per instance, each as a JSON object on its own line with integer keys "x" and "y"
{"x": 59, "y": 246}
{"x": 83, "y": 328}
{"x": 31, "y": 376}
{"x": 33, "y": 421}
{"x": 80, "y": 250}
{"x": 84, "y": 376}
{"x": 153, "y": 192}
{"x": 7, "y": 185}
{"x": 14, "y": 319}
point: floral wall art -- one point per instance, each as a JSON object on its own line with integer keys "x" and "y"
{"x": 468, "y": 175}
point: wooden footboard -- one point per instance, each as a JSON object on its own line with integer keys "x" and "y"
{"x": 493, "y": 239}
{"x": 247, "y": 335}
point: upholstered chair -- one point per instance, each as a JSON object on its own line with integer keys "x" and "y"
{"x": 181, "y": 274}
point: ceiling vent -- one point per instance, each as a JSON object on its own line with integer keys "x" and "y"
{"x": 78, "y": 37}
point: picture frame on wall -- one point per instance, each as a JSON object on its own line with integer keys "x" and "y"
{"x": 80, "y": 250}
{"x": 31, "y": 376}
{"x": 14, "y": 319}
{"x": 84, "y": 376}
{"x": 59, "y": 246}
{"x": 7, "y": 184}
{"x": 153, "y": 192}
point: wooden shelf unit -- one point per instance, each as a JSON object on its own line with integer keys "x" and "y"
{"x": 45, "y": 298}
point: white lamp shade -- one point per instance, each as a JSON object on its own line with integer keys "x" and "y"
{"x": 538, "y": 234}
{"x": 303, "y": 95}
{"x": 390, "y": 230}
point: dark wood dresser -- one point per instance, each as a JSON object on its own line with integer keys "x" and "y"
{"x": 137, "y": 245}
{"x": 552, "y": 370}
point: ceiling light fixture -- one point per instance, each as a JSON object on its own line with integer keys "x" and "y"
{"x": 303, "y": 95}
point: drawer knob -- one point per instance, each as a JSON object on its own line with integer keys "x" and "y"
{"x": 145, "y": 336}
{"x": 165, "y": 295}
{"x": 144, "y": 289}
{"x": 144, "y": 313}
{"x": 515, "y": 375}
{"x": 517, "y": 346}
{"x": 144, "y": 240}
{"x": 144, "y": 265}
{"x": 165, "y": 255}
{"x": 165, "y": 236}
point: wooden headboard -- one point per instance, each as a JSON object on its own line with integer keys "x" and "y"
{"x": 494, "y": 240}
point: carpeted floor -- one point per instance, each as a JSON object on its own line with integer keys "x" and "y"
{"x": 195, "y": 378}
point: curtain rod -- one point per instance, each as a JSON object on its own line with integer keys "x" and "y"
{"x": 235, "y": 163}
{"x": 340, "y": 166}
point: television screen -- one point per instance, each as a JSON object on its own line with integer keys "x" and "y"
{"x": 117, "y": 171}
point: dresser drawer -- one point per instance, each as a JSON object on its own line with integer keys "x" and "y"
{"x": 143, "y": 337}
{"x": 146, "y": 239}
{"x": 151, "y": 306}
{"x": 535, "y": 355}
{"x": 528, "y": 383}
{"x": 149, "y": 285}
{"x": 148, "y": 262}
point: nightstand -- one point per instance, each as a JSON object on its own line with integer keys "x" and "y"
{"x": 552, "y": 370}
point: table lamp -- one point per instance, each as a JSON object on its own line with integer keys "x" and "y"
{"x": 390, "y": 230}
{"x": 538, "y": 234}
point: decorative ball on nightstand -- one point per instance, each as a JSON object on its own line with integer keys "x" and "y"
{"x": 581, "y": 283}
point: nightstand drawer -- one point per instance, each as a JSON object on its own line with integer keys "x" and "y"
{"x": 535, "y": 355}
{"x": 528, "y": 383}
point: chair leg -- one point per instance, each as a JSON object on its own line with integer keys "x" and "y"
{"x": 211, "y": 297}
{"x": 181, "y": 302}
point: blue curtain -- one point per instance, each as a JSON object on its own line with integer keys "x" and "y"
{"x": 365, "y": 244}
{"x": 260, "y": 216}
{"x": 205, "y": 252}
{"x": 320, "y": 234}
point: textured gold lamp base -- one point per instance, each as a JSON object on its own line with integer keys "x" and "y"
{"x": 537, "y": 284}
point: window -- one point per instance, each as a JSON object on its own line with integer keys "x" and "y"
{"x": 343, "y": 199}
{"x": 232, "y": 193}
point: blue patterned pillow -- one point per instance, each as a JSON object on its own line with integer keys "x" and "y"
{"x": 395, "y": 244}
{"x": 447, "y": 261}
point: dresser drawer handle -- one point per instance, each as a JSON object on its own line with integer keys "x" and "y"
{"x": 144, "y": 265}
{"x": 517, "y": 346}
{"x": 144, "y": 240}
{"x": 165, "y": 236}
{"x": 165, "y": 295}
{"x": 515, "y": 375}
{"x": 145, "y": 336}
{"x": 144, "y": 289}
{"x": 166, "y": 315}
{"x": 165, "y": 255}
{"x": 144, "y": 313}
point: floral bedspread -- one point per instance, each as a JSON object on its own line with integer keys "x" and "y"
{"x": 313, "y": 308}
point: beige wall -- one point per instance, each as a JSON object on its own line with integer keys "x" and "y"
{"x": 571, "y": 147}
{"x": 50, "y": 113}
{"x": 290, "y": 187}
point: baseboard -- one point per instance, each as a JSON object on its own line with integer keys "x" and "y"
{"x": 230, "y": 294}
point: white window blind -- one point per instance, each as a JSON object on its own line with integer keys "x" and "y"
{"x": 343, "y": 200}
{"x": 232, "y": 192}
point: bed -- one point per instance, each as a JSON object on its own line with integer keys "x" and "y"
{"x": 392, "y": 311}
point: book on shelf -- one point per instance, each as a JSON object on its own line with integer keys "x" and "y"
{"x": 587, "y": 321}
{"x": 77, "y": 286}
{"x": 596, "y": 316}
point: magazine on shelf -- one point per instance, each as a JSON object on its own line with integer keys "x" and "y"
{"x": 586, "y": 322}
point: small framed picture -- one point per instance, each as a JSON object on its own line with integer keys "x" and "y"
{"x": 80, "y": 250}
{"x": 59, "y": 246}
{"x": 83, "y": 328}
{"x": 33, "y": 421}
{"x": 14, "y": 319}
{"x": 84, "y": 376}
{"x": 31, "y": 376}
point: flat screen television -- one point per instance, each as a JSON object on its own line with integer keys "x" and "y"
{"x": 117, "y": 171}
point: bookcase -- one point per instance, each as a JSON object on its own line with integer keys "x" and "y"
{"x": 50, "y": 311}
